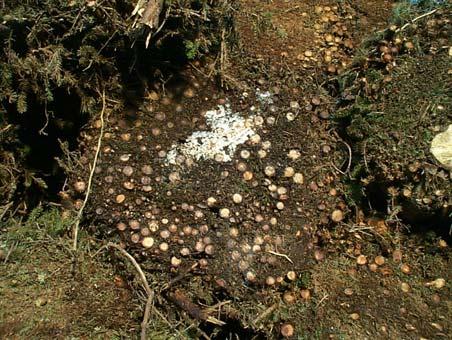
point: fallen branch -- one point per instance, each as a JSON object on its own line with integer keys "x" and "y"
{"x": 91, "y": 175}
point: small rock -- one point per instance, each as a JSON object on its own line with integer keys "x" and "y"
{"x": 248, "y": 176}
{"x": 373, "y": 267}
{"x": 354, "y": 316}
{"x": 291, "y": 275}
{"x": 153, "y": 95}
{"x": 298, "y": 178}
{"x": 269, "y": 171}
{"x": 189, "y": 93}
{"x": 289, "y": 297}
{"x": 442, "y": 243}
{"x": 405, "y": 287}
{"x": 290, "y": 116}
{"x": 211, "y": 201}
{"x": 405, "y": 268}
{"x": 289, "y": 171}
{"x": 80, "y": 186}
{"x": 40, "y": 301}
{"x": 438, "y": 283}
{"x": 294, "y": 154}
{"x": 294, "y": 105}
{"x": 316, "y": 101}
{"x": 319, "y": 255}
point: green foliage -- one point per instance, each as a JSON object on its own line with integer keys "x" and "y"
{"x": 73, "y": 46}
{"x": 282, "y": 33}
{"x": 354, "y": 193}
{"x": 39, "y": 224}
{"x": 405, "y": 10}
{"x": 402, "y": 12}
{"x": 51, "y": 48}
{"x": 391, "y": 114}
{"x": 192, "y": 49}
{"x": 263, "y": 22}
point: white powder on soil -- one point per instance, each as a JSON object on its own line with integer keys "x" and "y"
{"x": 227, "y": 131}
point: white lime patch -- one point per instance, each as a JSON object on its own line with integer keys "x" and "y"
{"x": 228, "y": 130}
{"x": 264, "y": 97}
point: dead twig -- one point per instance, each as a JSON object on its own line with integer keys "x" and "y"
{"x": 147, "y": 288}
{"x": 147, "y": 314}
{"x": 10, "y": 251}
{"x": 6, "y": 128}
{"x": 5, "y": 209}
{"x": 91, "y": 175}
{"x": 416, "y": 19}
{"x": 326, "y": 296}
{"x": 337, "y": 169}
{"x": 349, "y": 162}
{"x": 279, "y": 254}
{"x": 171, "y": 326}
{"x": 365, "y": 156}
{"x": 266, "y": 313}
{"x": 144, "y": 281}
{"x": 222, "y": 57}
{"x": 179, "y": 277}
{"x": 151, "y": 15}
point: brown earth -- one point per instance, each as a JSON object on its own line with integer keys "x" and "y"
{"x": 290, "y": 49}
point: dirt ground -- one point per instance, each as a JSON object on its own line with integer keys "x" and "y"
{"x": 266, "y": 241}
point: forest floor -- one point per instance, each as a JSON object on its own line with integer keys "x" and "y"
{"x": 302, "y": 226}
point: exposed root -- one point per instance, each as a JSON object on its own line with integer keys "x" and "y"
{"x": 349, "y": 161}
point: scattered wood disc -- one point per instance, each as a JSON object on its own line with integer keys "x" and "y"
{"x": 287, "y": 330}
{"x": 337, "y": 216}
{"x": 361, "y": 259}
